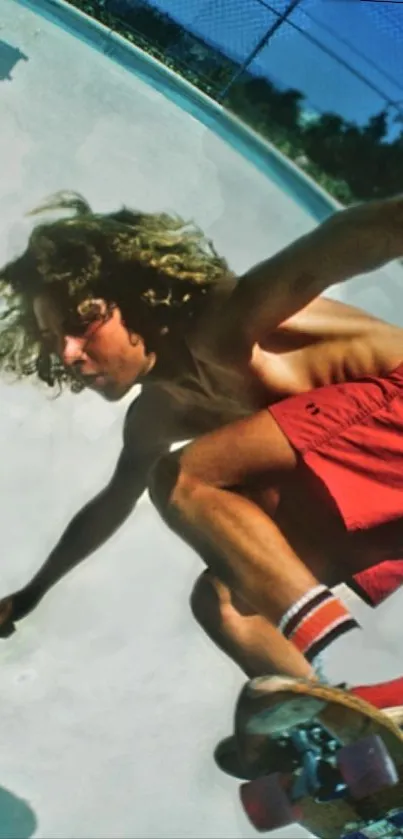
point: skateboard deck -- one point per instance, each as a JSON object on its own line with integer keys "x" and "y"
{"x": 341, "y": 767}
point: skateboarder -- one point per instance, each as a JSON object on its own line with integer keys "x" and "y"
{"x": 107, "y": 301}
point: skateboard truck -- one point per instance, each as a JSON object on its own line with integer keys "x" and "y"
{"x": 328, "y": 771}
{"x": 342, "y": 770}
{"x": 319, "y": 776}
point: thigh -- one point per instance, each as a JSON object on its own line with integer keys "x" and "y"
{"x": 309, "y": 520}
{"x": 240, "y": 452}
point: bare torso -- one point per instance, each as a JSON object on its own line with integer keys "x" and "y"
{"x": 328, "y": 342}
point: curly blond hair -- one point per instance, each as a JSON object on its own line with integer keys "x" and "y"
{"x": 155, "y": 267}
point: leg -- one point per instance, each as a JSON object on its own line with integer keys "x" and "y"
{"x": 251, "y": 554}
{"x": 245, "y": 548}
{"x": 246, "y": 637}
{"x": 248, "y": 634}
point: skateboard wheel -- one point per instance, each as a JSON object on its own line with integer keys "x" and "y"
{"x": 266, "y": 802}
{"x": 367, "y": 767}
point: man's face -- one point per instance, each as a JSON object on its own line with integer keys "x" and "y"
{"x": 103, "y": 355}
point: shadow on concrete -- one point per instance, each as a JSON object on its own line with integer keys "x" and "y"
{"x": 9, "y": 57}
{"x": 17, "y": 819}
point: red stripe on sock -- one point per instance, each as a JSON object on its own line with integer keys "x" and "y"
{"x": 324, "y": 619}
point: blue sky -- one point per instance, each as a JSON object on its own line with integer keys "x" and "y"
{"x": 365, "y": 34}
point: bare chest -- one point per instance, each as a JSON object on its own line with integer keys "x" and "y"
{"x": 325, "y": 344}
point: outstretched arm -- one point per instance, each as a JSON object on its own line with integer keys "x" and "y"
{"x": 98, "y": 520}
{"x": 148, "y": 432}
{"x": 351, "y": 242}
{"x": 88, "y": 530}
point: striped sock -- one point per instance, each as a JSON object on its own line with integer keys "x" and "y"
{"x": 323, "y": 629}
{"x": 317, "y": 620}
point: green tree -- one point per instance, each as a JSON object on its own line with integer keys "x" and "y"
{"x": 285, "y": 108}
{"x": 357, "y": 155}
{"x": 159, "y": 27}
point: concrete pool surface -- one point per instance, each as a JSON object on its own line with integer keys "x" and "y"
{"x": 112, "y": 699}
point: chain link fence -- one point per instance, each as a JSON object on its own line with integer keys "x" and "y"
{"x": 212, "y": 41}
{"x": 218, "y": 40}
{"x": 256, "y": 56}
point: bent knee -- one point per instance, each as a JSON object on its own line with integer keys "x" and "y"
{"x": 214, "y": 604}
{"x": 208, "y": 600}
{"x": 162, "y": 480}
{"x": 168, "y": 484}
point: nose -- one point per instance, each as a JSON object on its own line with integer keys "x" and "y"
{"x": 73, "y": 351}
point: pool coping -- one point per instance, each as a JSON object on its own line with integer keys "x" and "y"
{"x": 259, "y": 151}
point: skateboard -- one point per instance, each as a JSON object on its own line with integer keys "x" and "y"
{"x": 321, "y": 757}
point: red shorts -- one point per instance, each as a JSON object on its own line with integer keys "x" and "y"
{"x": 379, "y": 582}
{"x": 350, "y": 436}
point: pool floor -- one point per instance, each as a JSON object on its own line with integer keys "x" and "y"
{"x": 112, "y": 698}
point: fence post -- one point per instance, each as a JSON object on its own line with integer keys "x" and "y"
{"x": 282, "y": 17}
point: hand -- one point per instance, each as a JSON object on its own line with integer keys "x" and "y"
{"x": 13, "y": 608}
